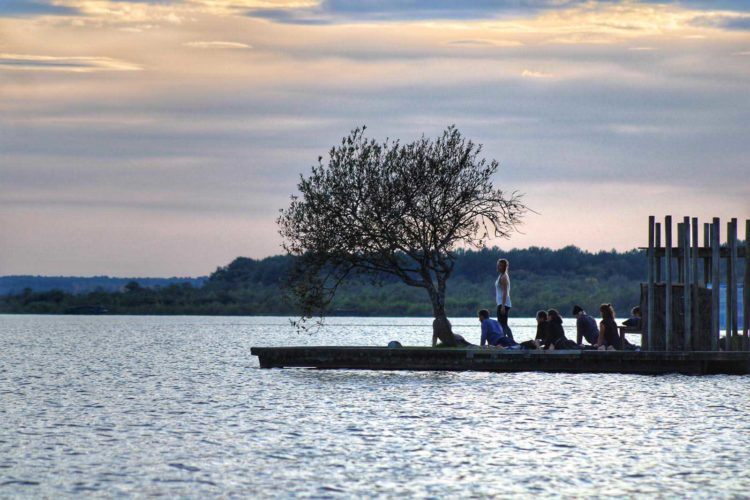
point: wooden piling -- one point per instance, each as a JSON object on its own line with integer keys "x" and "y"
{"x": 733, "y": 320}
{"x": 687, "y": 293}
{"x": 657, "y": 261}
{"x": 695, "y": 320}
{"x": 746, "y": 285}
{"x": 715, "y": 283}
{"x": 728, "y": 294}
{"x": 680, "y": 253}
{"x": 651, "y": 313}
{"x": 706, "y": 260}
{"x": 668, "y": 279}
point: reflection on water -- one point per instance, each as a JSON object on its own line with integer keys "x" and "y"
{"x": 177, "y": 406}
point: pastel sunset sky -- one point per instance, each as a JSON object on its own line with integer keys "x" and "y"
{"x": 160, "y": 138}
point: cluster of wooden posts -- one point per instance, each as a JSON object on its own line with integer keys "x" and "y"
{"x": 680, "y": 312}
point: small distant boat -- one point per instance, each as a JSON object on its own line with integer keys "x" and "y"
{"x": 87, "y": 310}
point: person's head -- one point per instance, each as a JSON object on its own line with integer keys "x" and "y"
{"x": 541, "y": 316}
{"x": 636, "y": 311}
{"x": 607, "y": 311}
{"x": 502, "y": 265}
{"x": 578, "y": 310}
{"x": 554, "y": 315}
{"x": 484, "y": 314}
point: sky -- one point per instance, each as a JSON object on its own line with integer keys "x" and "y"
{"x": 161, "y": 138}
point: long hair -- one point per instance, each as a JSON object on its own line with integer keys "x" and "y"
{"x": 608, "y": 312}
{"x": 554, "y": 314}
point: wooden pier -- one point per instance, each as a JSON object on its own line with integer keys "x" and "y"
{"x": 497, "y": 360}
{"x": 680, "y": 331}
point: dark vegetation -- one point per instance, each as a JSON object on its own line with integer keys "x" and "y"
{"x": 77, "y": 285}
{"x": 541, "y": 278}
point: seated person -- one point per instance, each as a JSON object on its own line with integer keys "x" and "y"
{"x": 609, "y": 338}
{"x": 443, "y": 330}
{"x": 586, "y": 325}
{"x": 492, "y": 332}
{"x": 541, "y": 325}
{"x": 555, "y": 333}
{"x": 554, "y": 337}
{"x": 634, "y": 321}
{"x": 541, "y": 332}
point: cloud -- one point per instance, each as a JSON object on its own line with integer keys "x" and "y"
{"x": 347, "y": 11}
{"x": 217, "y": 45}
{"x": 23, "y": 8}
{"x": 72, "y": 64}
{"x": 723, "y": 21}
{"x": 205, "y": 146}
{"x": 484, "y": 42}
{"x": 341, "y": 11}
{"x": 730, "y": 5}
{"x": 527, "y": 73}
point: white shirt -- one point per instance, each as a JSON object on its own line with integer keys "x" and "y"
{"x": 499, "y": 291}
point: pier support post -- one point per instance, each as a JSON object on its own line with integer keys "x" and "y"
{"x": 733, "y": 320}
{"x": 668, "y": 284}
{"x": 715, "y": 283}
{"x": 746, "y": 287}
{"x": 680, "y": 252}
{"x": 687, "y": 310}
{"x": 730, "y": 300}
{"x": 706, "y": 260}
{"x": 657, "y": 258}
{"x": 651, "y": 301}
{"x": 695, "y": 314}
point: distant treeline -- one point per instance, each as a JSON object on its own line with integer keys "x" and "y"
{"x": 541, "y": 278}
{"x": 15, "y": 285}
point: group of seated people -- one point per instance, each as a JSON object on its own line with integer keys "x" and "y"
{"x": 550, "y": 333}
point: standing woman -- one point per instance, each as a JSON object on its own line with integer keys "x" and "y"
{"x": 502, "y": 295}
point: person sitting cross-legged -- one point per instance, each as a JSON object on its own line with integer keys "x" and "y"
{"x": 492, "y": 333}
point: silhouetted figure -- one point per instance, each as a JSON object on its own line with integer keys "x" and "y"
{"x": 609, "y": 338}
{"x": 555, "y": 333}
{"x": 634, "y": 321}
{"x": 585, "y": 325}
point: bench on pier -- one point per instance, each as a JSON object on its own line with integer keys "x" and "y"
{"x": 622, "y": 330}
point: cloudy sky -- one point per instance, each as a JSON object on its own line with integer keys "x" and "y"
{"x": 162, "y": 137}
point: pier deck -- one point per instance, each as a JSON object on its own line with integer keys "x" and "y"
{"x": 496, "y": 360}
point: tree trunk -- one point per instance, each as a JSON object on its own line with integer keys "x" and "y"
{"x": 441, "y": 327}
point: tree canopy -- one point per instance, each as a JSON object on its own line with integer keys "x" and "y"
{"x": 394, "y": 209}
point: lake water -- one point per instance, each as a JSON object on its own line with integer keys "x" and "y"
{"x": 176, "y": 406}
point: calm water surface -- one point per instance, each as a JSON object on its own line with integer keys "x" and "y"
{"x": 176, "y": 406}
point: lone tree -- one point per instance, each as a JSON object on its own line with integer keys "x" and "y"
{"x": 395, "y": 209}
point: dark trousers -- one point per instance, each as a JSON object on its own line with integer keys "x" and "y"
{"x": 503, "y": 320}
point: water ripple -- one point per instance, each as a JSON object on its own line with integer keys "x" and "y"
{"x": 124, "y": 406}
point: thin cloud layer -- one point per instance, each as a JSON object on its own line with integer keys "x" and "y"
{"x": 217, "y": 45}
{"x": 134, "y": 132}
{"x": 26, "y": 8}
{"x": 345, "y": 11}
{"x": 73, "y": 64}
